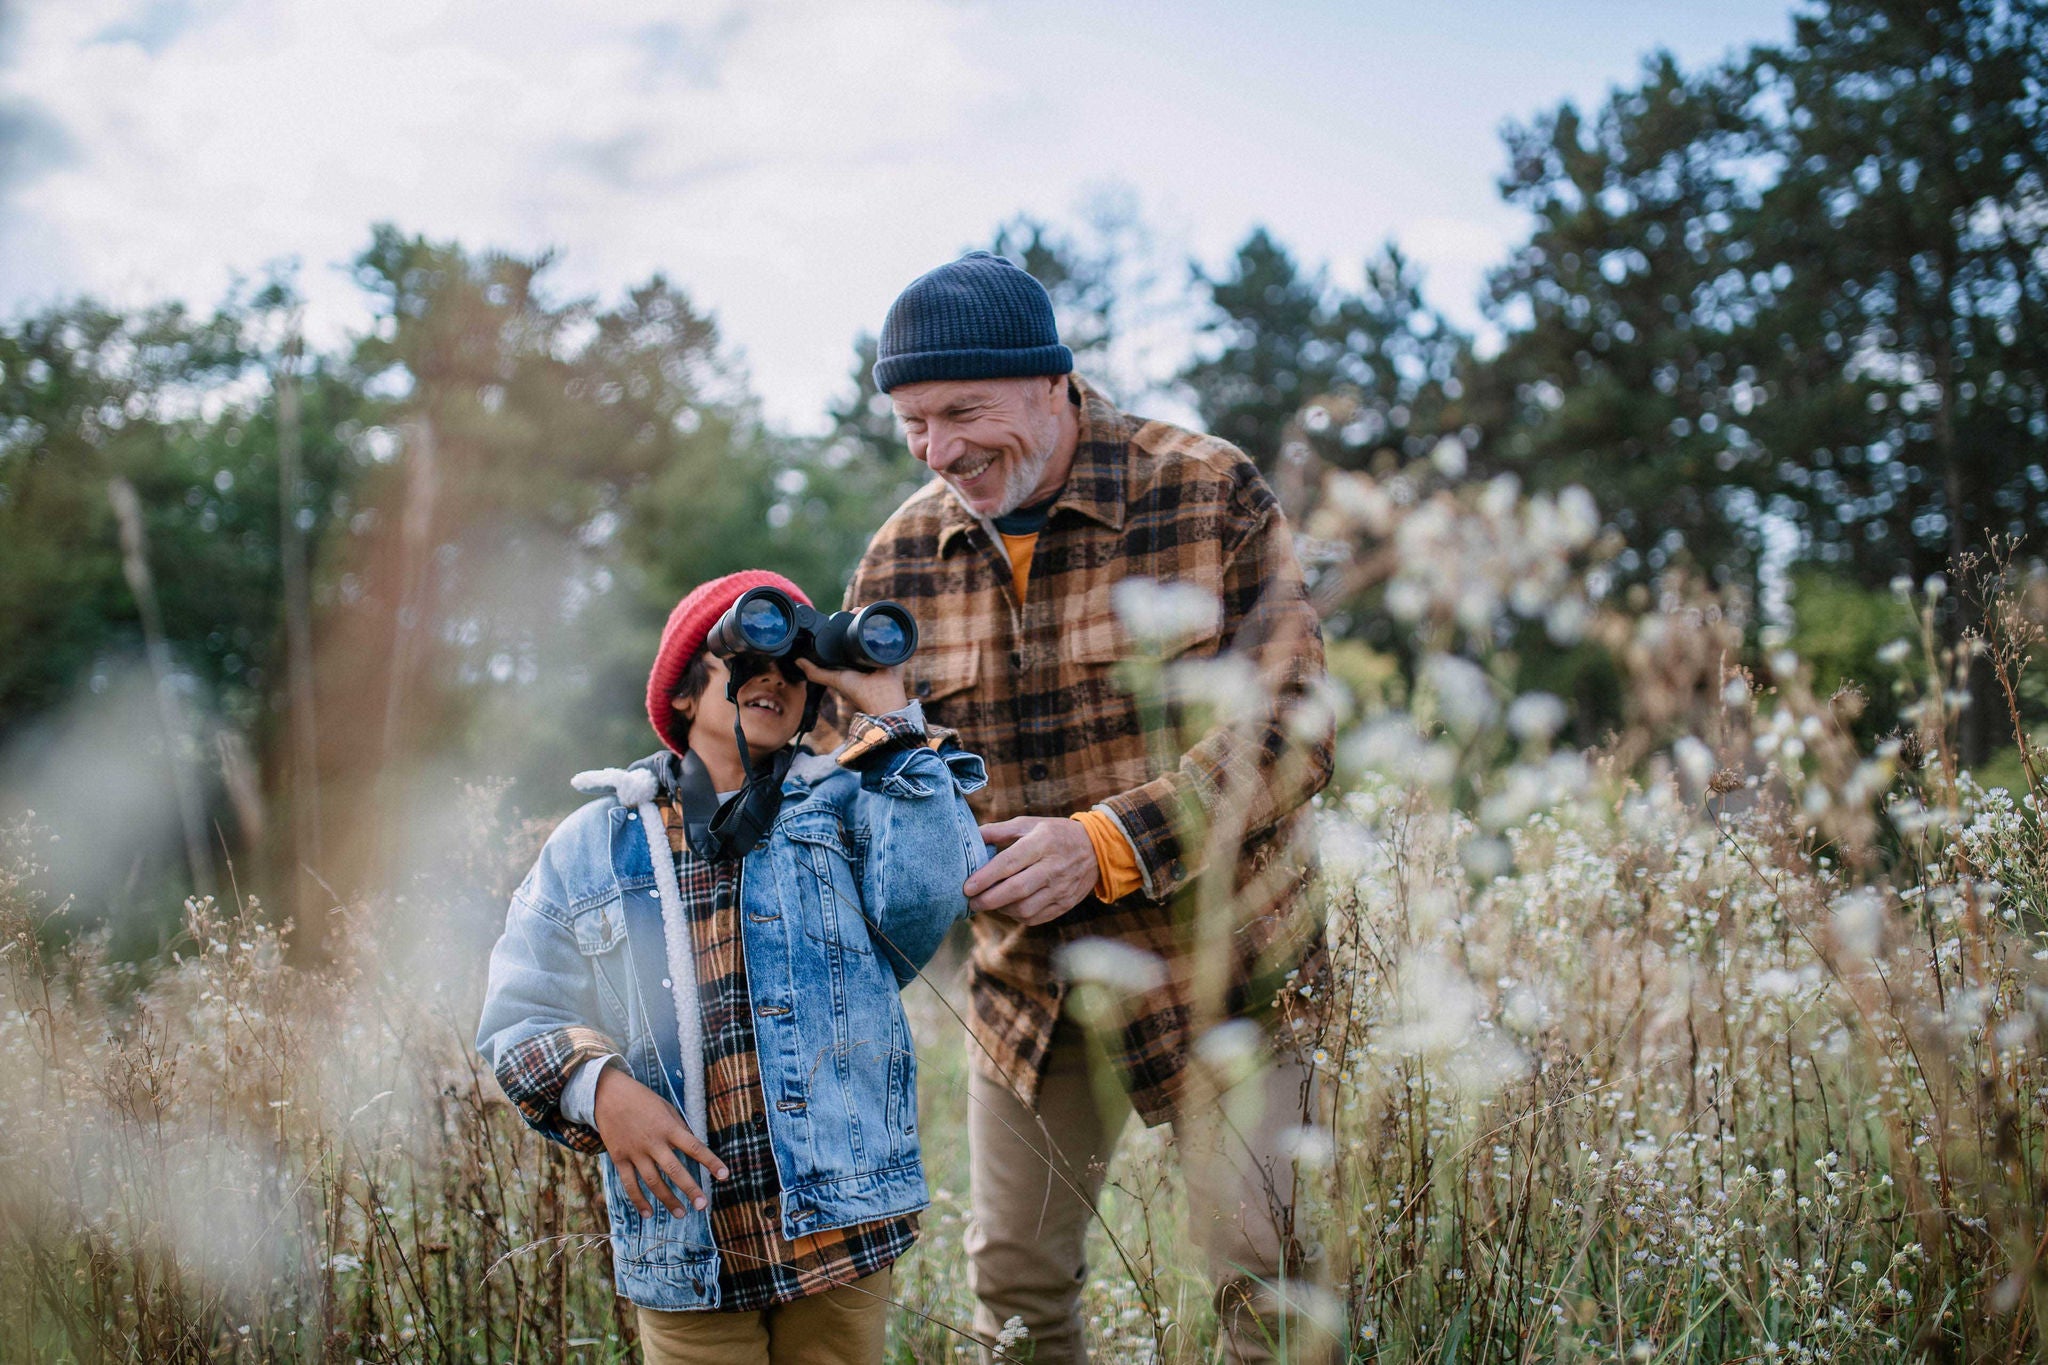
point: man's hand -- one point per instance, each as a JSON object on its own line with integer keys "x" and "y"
{"x": 643, "y": 1132}
{"x": 875, "y": 694}
{"x": 1046, "y": 868}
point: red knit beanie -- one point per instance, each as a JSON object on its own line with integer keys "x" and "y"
{"x": 683, "y": 636}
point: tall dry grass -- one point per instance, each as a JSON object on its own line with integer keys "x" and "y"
{"x": 1721, "y": 1041}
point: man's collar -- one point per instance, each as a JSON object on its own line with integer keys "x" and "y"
{"x": 1095, "y": 484}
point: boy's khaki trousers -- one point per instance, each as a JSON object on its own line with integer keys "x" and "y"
{"x": 843, "y": 1326}
{"x": 1036, "y": 1178}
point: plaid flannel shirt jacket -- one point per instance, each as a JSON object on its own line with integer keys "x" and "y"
{"x": 1036, "y": 690}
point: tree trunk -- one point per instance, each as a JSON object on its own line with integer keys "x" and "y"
{"x": 177, "y": 735}
{"x": 298, "y": 631}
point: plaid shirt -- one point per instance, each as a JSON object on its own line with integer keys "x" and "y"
{"x": 758, "y": 1266}
{"x": 1034, "y": 689}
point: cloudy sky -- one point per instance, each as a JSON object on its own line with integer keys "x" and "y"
{"x": 792, "y": 163}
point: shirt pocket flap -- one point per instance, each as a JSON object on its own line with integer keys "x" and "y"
{"x": 1171, "y": 620}
{"x": 945, "y": 671}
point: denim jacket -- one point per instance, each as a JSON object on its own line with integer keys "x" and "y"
{"x": 847, "y": 897}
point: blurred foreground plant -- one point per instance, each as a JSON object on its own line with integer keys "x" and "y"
{"x": 1721, "y": 1040}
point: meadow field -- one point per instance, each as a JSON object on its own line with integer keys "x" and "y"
{"x": 1721, "y": 1040}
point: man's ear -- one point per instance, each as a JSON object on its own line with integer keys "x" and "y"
{"x": 686, "y": 705}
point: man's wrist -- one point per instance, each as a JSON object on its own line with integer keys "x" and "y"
{"x": 1116, "y": 862}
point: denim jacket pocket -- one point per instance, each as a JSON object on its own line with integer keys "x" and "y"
{"x": 645, "y": 1246}
{"x": 601, "y": 938}
{"x": 820, "y": 879}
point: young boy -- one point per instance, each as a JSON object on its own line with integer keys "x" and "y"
{"x": 724, "y": 1025}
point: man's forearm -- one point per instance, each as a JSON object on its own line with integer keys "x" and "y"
{"x": 1241, "y": 778}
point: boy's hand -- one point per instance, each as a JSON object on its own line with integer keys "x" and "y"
{"x": 642, "y": 1132}
{"x": 874, "y": 694}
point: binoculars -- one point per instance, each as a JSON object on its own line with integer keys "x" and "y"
{"x": 770, "y": 623}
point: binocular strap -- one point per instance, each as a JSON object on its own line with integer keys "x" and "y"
{"x": 733, "y": 828}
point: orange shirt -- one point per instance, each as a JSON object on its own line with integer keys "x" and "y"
{"x": 1020, "y": 549}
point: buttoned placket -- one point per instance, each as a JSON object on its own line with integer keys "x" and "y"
{"x": 1022, "y": 655}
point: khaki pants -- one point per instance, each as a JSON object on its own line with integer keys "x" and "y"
{"x": 843, "y": 1326}
{"x": 1032, "y": 1202}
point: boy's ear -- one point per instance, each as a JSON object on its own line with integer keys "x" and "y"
{"x": 686, "y": 705}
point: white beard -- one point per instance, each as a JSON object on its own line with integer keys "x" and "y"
{"x": 1018, "y": 486}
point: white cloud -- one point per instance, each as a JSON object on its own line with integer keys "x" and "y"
{"x": 721, "y": 149}
{"x": 790, "y": 163}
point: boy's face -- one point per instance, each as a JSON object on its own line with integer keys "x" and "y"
{"x": 770, "y": 709}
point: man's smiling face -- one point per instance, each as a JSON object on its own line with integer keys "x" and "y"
{"x": 996, "y": 442}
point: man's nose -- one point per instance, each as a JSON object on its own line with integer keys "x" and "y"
{"x": 942, "y": 447}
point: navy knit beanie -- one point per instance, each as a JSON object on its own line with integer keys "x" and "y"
{"x": 978, "y": 318}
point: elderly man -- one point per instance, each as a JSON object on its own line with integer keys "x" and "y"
{"x": 1109, "y": 823}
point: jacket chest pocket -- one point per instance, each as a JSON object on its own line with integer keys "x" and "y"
{"x": 820, "y": 879}
{"x": 601, "y": 939}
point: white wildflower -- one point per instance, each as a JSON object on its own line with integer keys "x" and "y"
{"x": 1578, "y": 517}
{"x": 1566, "y": 621}
{"x": 1309, "y": 1144}
{"x": 1110, "y": 962}
{"x": 1159, "y": 615}
{"x": 1535, "y": 716}
{"x": 1231, "y": 1046}
{"x": 1013, "y": 1333}
{"x": 1463, "y": 692}
{"x": 1859, "y": 923}
{"x": 1448, "y": 455}
{"x": 1695, "y": 761}
{"x": 1228, "y": 684}
{"x": 1777, "y": 982}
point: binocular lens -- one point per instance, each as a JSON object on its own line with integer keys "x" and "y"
{"x": 763, "y": 623}
{"x": 769, "y": 622}
{"x": 883, "y": 639}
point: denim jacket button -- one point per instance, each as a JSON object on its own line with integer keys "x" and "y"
{"x": 667, "y": 984}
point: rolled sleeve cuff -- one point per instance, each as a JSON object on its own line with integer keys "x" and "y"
{"x": 536, "y": 1074}
{"x": 579, "y": 1096}
{"x": 870, "y": 739}
{"x": 1147, "y": 819}
{"x": 1116, "y": 862}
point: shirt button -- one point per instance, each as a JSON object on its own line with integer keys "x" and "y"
{"x": 1038, "y": 772}
{"x": 667, "y": 984}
